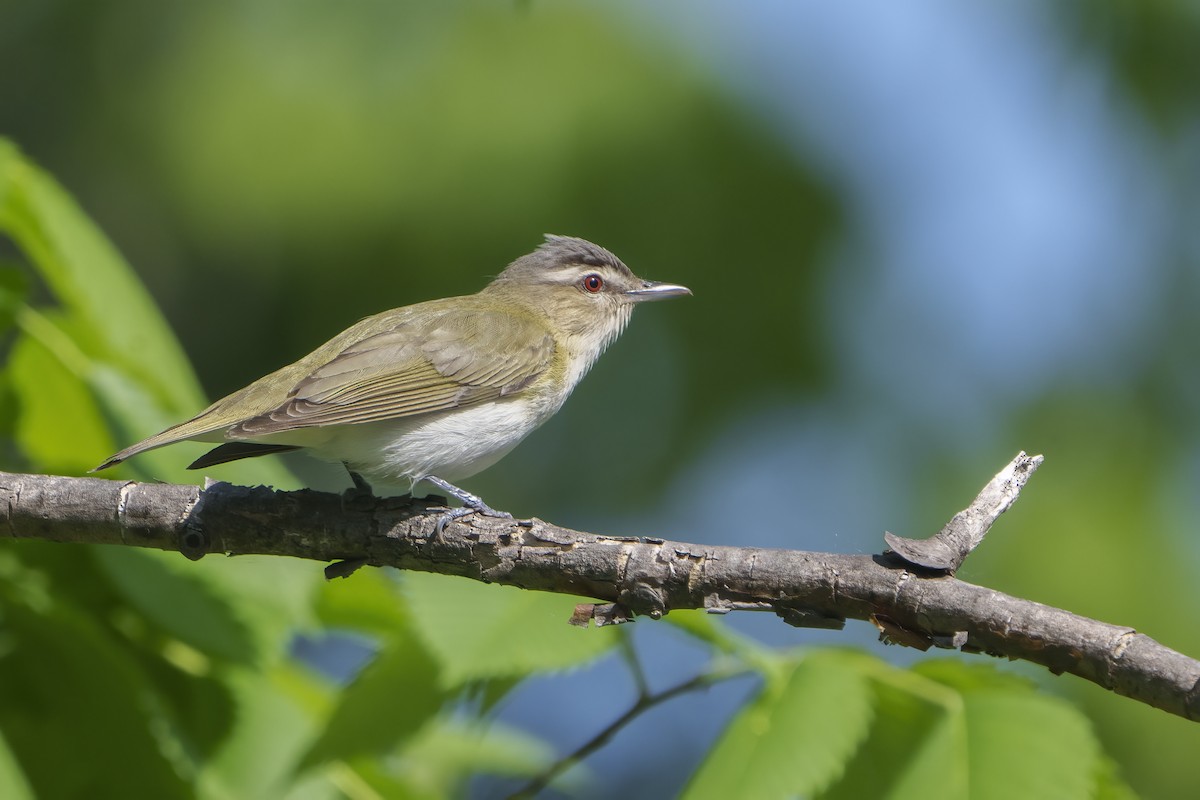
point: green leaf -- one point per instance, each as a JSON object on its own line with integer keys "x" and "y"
{"x": 968, "y": 676}
{"x": 488, "y": 694}
{"x": 90, "y": 278}
{"x": 913, "y": 751}
{"x": 275, "y": 724}
{"x": 479, "y": 631}
{"x": 368, "y": 601}
{"x": 161, "y": 587}
{"x": 368, "y": 778}
{"x": 198, "y": 709}
{"x": 702, "y": 626}
{"x": 76, "y": 711}
{"x": 14, "y": 288}
{"x": 1109, "y": 784}
{"x": 273, "y": 596}
{"x": 958, "y": 730}
{"x": 795, "y": 738}
{"x": 106, "y": 337}
{"x": 448, "y": 751}
{"x": 58, "y": 425}
{"x": 388, "y": 702}
{"x": 243, "y": 610}
{"x": 699, "y": 625}
{"x": 132, "y": 410}
{"x": 13, "y": 784}
{"x": 1053, "y": 744}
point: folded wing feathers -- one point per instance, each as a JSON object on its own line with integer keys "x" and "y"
{"x": 388, "y": 375}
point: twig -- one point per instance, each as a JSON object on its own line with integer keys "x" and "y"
{"x": 949, "y": 548}
{"x": 644, "y": 703}
{"x": 630, "y": 656}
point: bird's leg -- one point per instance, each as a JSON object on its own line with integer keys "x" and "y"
{"x": 360, "y": 483}
{"x": 361, "y": 495}
{"x": 472, "y": 503}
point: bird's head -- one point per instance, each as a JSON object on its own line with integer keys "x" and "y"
{"x": 581, "y": 288}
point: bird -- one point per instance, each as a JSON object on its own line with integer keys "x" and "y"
{"x": 436, "y": 391}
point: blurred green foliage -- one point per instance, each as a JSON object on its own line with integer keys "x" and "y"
{"x": 117, "y": 656}
{"x": 316, "y": 166}
{"x": 275, "y": 170}
{"x": 1152, "y": 44}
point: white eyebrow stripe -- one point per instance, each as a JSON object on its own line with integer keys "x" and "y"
{"x": 568, "y": 274}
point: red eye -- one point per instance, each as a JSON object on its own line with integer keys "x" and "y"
{"x": 593, "y": 283}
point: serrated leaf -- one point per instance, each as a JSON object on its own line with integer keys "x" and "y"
{"x": 793, "y": 739}
{"x": 913, "y": 751}
{"x": 391, "y": 699}
{"x": 479, "y": 631}
{"x": 958, "y": 730}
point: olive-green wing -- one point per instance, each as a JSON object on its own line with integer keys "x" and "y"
{"x": 453, "y": 359}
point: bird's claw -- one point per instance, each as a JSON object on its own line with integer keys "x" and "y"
{"x": 467, "y": 510}
{"x": 471, "y": 504}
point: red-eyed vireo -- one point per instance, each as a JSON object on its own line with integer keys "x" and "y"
{"x": 439, "y": 390}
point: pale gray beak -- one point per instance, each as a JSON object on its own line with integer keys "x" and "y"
{"x": 653, "y": 290}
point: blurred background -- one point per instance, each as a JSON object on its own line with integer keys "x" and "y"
{"x": 921, "y": 237}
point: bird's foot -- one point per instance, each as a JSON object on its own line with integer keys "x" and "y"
{"x": 471, "y": 504}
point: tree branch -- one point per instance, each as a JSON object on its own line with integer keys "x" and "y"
{"x": 649, "y": 576}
